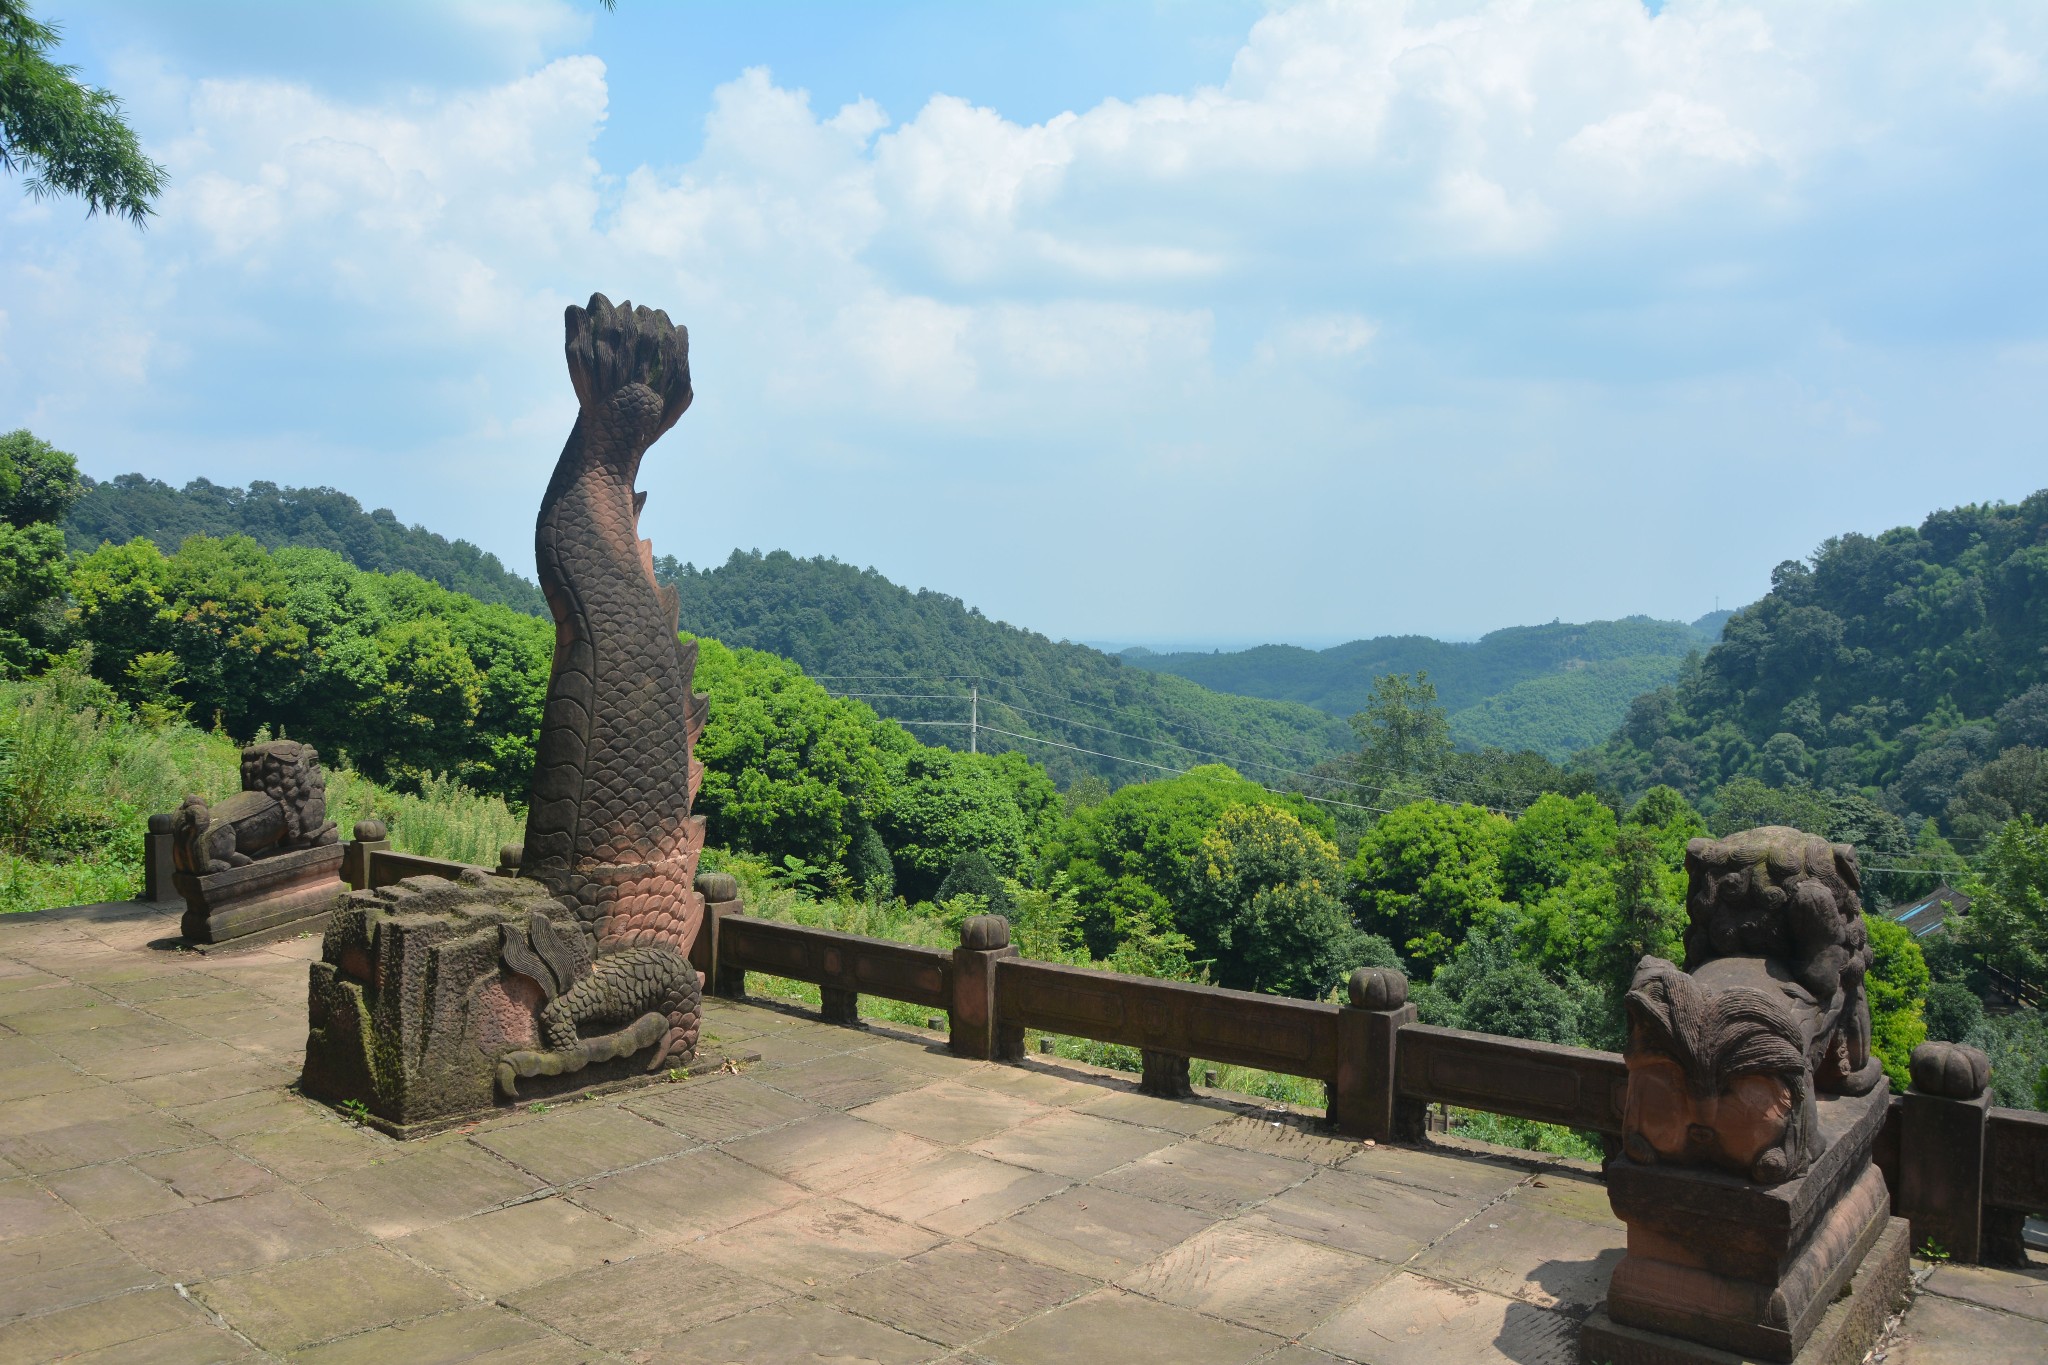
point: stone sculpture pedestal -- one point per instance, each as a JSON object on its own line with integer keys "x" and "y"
{"x": 271, "y": 898}
{"x": 412, "y": 1005}
{"x": 1720, "y": 1268}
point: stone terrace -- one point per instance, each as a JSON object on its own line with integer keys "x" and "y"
{"x": 853, "y": 1196}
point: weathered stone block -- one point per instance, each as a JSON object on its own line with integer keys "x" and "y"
{"x": 1843, "y": 1334}
{"x": 432, "y": 1002}
{"x": 1725, "y": 1262}
{"x": 269, "y": 895}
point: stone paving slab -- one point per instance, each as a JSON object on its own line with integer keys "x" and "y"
{"x": 1255, "y": 1276}
{"x": 1076, "y": 1145}
{"x": 586, "y": 1140}
{"x": 1945, "y": 1331}
{"x": 634, "y": 1305}
{"x": 693, "y": 1195}
{"x": 815, "y": 1243}
{"x": 2024, "y": 1292}
{"x": 1410, "y": 1318}
{"x": 958, "y": 1293}
{"x": 956, "y": 1193}
{"x": 1095, "y": 1231}
{"x": 857, "y": 1195}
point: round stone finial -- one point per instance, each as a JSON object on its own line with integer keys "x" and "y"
{"x": 716, "y": 887}
{"x": 1953, "y": 1071}
{"x": 161, "y": 824}
{"x": 510, "y": 854}
{"x": 370, "y": 831}
{"x": 985, "y": 931}
{"x": 1378, "y": 988}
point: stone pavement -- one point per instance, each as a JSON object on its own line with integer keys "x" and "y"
{"x": 857, "y": 1195}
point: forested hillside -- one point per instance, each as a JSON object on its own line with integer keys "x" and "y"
{"x": 1517, "y": 895}
{"x": 1555, "y": 689}
{"x": 1910, "y": 667}
{"x": 313, "y": 518}
{"x": 915, "y": 656}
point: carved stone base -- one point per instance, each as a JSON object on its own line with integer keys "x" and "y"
{"x": 601, "y": 1079}
{"x": 1843, "y": 1335}
{"x": 416, "y": 1007}
{"x": 1719, "y": 1261}
{"x": 287, "y": 893}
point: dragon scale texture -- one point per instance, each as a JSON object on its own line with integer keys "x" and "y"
{"x": 609, "y": 828}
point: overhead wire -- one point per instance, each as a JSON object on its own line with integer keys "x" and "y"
{"x": 1383, "y": 789}
{"x": 1075, "y": 748}
{"x": 1159, "y": 767}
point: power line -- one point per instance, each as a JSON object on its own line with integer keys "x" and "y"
{"x": 1271, "y": 744}
{"x": 1420, "y": 791}
{"x": 1243, "y": 762}
{"x": 1174, "y": 715}
{"x": 1181, "y": 772}
{"x": 1284, "y": 748}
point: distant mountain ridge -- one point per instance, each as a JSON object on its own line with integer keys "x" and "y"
{"x": 130, "y": 505}
{"x": 931, "y": 660}
{"x": 1554, "y": 688}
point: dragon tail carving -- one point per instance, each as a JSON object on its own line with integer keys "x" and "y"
{"x": 609, "y": 828}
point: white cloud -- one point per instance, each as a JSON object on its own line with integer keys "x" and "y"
{"x": 2005, "y": 70}
{"x": 1515, "y": 211}
{"x": 1327, "y": 336}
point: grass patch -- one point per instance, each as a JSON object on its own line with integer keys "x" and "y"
{"x": 81, "y": 773}
{"x": 1525, "y": 1134}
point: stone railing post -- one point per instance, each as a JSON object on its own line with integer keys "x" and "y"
{"x": 1941, "y": 1149}
{"x": 370, "y": 835}
{"x": 976, "y": 1032}
{"x": 1364, "y": 1102}
{"x": 1165, "y": 1075}
{"x": 721, "y": 893}
{"x": 156, "y": 863}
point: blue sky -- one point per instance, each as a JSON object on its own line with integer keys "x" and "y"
{"x": 1190, "y": 321}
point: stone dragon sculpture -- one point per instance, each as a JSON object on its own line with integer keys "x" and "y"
{"x": 609, "y": 830}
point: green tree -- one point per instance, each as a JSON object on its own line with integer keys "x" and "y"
{"x": 1746, "y": 803}
{"x": 1266, "y": 908}
{"x": 1953, "y": 1011}
{"x": 867, "y": 863}
{"x": 1426, "y": 873}
{"x": 1554, "y": 835}
{"x": 942, "y": 804}
{"x": 1649, "y": 915}
{"x": 1670, "y": 820}
{"x": 1517, "y": 1001}
{"x": 1135, "y": 856}
{"x": 32, "y": 580}
{"x": 37, "y": 483}
{"x": 1897, "y": 986}
{"x": 1404, "y": 737}
{"x": 1489, "y": 985}
{"x": 64, "y": 136}
{"x": 788, "y": 768}
{"x": 404, "y": 677}
{"x": 2007, "y": 927}
{"x": 973, "y": 875}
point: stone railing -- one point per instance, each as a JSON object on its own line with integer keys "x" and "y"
{"x": 1965, "y": 1173}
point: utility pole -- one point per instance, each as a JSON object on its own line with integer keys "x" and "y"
{"x": 974, "y": 718}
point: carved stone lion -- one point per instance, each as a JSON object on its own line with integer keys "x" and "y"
{"x": 282, "y": 807}
{"x": 1725, "y": 1058}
